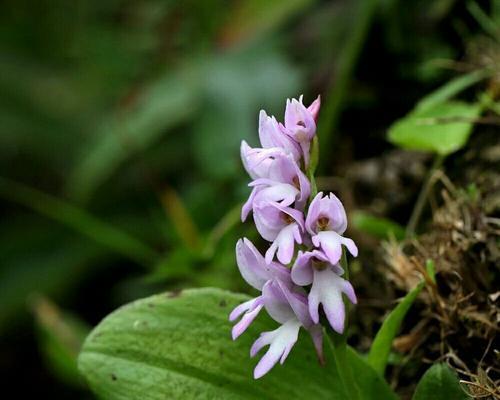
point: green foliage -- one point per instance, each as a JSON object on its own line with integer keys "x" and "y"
{"x": 451, "y": 88}
{"x": 162, "y": 105}
{"x": 60, "y": 336}
{"x": 381, "y": 346}
{"x": 253, "y": 18}
{"x": 28, "y": 267}
{"x": 442, "y": 129}
{"x": 381, "y": 228}
{"x": 178, "y": 345}
{"x": 78, "y": 219}
{"x": 430, "y": 268}
{"x": 439, "y": 383}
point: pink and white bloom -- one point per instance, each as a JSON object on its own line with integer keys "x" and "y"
{"x": 326, "y": 222}
{"x": 281, "y": 225}
{"x": 289, "y": 309}
{"x": 278, "y": 202}
{"x": 272, "y": 135}
{"x": 269, "y": 167}
{"x": 300, "y": 123}
{"x": 256, "y": 273}
{"x": 327, "y": 287}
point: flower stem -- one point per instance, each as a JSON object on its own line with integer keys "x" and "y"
{"x": 344, "y": 368}
{"x": 422, "y": 197}
{"x": 339, "y": 342}
{"x": 311, "y": 168}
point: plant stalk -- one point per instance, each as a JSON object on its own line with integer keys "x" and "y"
{"x": 422, "y": 197}
{"x": 339, "y": 342}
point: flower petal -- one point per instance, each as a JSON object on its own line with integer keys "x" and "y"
{"x": 271, "y": 135}
{"x": 281, "y": 342}
{"x": 246, "y": 320}
{"x": 327, "y": 289}
{"x": 313, "y": 214}
{"x": 284, "y": 244}
{"x": 302, "y": 273}
{"x": 276, "y": 303}
{"x": 329, "y": 242}
{"x": 253, "y": 267}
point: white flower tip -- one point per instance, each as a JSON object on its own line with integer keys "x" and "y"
{"x": 235, "y": 333}
{"x": 339, "y": 328}
{"x": 258, "y": 373}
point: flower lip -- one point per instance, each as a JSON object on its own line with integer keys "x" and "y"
{"x": 287, "y": 218}
{"x": 318, "y": 264}
{"x": 323, "y": 223}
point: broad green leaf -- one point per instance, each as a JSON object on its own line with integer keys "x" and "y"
{"x": 381, "y": 346}
{"x": 178, "y": 346}
{"x": 379, "y": 227}
{"x": 442, "y": 129}
{"x": 439, "y": 383}
{"x": 451, "y": 89}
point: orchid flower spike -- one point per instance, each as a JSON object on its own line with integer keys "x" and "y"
{"x": 278, "y": 202}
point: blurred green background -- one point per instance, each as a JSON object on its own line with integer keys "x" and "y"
{"x": 120, "y": 125}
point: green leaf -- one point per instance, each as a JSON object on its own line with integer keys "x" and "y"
{"x": 439, "y": 383}
{"x": 451, "y": 89}
{"x": 381, "y": 228}
{"x": 179, "y": 346}
{"x": 430, "y": 268}
{"x": 442, "y": 129}
{"x": 381, "y": 346}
